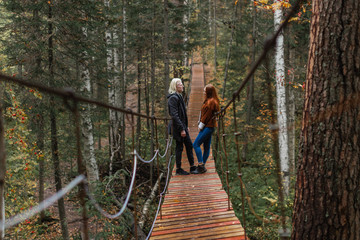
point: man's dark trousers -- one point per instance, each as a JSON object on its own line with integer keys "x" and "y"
{"x": 189, "y": 150}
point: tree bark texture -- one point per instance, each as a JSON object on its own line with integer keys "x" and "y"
{"x": 166, "y": 53}
{"x": 215, "y": 37}
{"x": 54, "y": 139}
{"x": 86, "y": 121}
{"x": 2, "y": 170}
{"x": 138, "y": 120}
{"x": 327, "y": 198}
{"x": 40, "y": 142}
{"x": 281, "y": 99}
{"x": 124, "y": 76}
{"x": 233, "y": 24}
{"x": 113, "y": 66}
{"x": 250, "y": 89}
{"x": 57, "y": 172}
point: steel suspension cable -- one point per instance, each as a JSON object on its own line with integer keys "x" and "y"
{"x": 69, "y": 93}
{"x": 43, "y": 205}
{"x": 157, "y": 152}
{"x": 147, "y": 161}
{"x": 161, "y": 197}
{"x": 101, "y": 210}
{"x": 169, "y": 143}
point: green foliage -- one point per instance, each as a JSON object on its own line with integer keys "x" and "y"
{"x": 22, "y": 158}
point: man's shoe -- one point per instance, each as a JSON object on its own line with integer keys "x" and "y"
{"x": 181, "y": 171}
{"x": 201, "y": 168}
{"x": 194, "y": 170}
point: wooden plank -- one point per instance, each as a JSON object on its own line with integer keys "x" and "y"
{"x": 188, "y": 204}
{"x": 212, "y": 232}
{"x": 195, "y": 218}
{"x": 201, "y": 222}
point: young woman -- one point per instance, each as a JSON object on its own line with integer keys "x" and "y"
{"x": 206, "y": 125}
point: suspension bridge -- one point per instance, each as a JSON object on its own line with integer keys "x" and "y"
{"x": 195, "y": 206}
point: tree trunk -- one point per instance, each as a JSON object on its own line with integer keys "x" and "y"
{"x": 138, "y": 124}
{"x": 215, "y": 38}
{"x": 147, "y": 96}
{"x": 39, "y": 119}
{"x": 290, "y": 99}
{"x": 123, "y": 83}
{"x": 177, "y": 52}
{"x": 166, "y": 54}
{"x": 327, "y": 203}
{"x": 87, "y": 124}
{"x": 39, "y": 122}
{"x": 187, "y": 17}
{"x": 209, "y": 16}
{"x": 2, "y": 170}
{"x": 250, "y": 88}
{"x": 112, "y": 62}
{"x": 233, "y": 23}
{"x": 54, "y": 140}
{"x": 152, "y": 90}
{"x": 57, "y": 172}
{"x": 281, "y": 100}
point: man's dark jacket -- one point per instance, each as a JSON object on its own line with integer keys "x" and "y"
{"x": 177, "y": 111}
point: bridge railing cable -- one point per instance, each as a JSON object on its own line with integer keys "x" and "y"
{"x": 43, "y": 205}
{"x": 161, "y": 196}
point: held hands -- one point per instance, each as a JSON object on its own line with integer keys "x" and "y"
{"x": 201, "y": 126}
{"x": 183, "y": 133}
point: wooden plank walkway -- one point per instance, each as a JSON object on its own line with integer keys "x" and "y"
{"x": 196, "y": 206}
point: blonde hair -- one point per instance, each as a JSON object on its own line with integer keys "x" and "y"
{"x": 172, "y": 87}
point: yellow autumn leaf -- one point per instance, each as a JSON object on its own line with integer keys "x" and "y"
{"x": 263, "y": 1}
{"x": 294, "y": 19}
{"x": 277, "y": 5}
{"x": 286, "y": 5}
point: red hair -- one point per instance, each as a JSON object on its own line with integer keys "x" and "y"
{"x": 211, "y": 94}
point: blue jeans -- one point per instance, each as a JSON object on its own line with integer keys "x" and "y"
{"x": 204, "y": 137}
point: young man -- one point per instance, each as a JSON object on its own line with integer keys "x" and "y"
{"x": 177, "y": 111}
